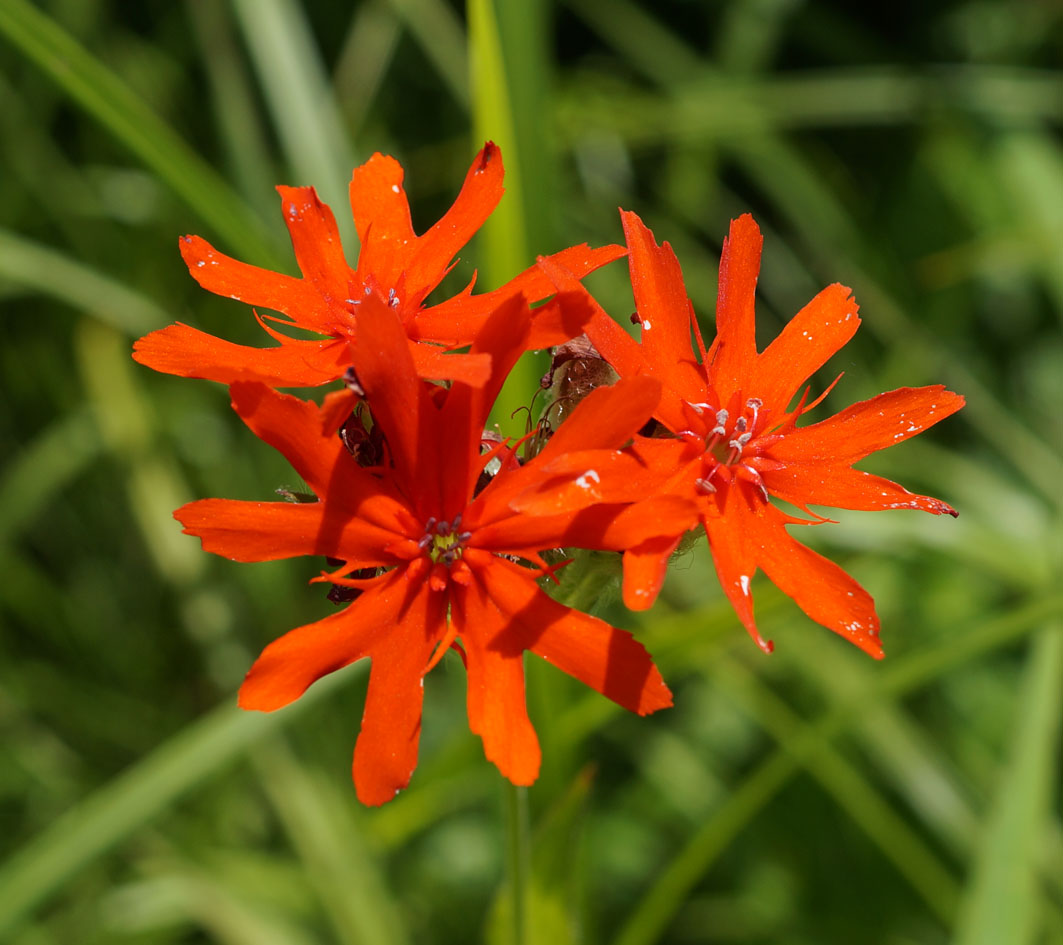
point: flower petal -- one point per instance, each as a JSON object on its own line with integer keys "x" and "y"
{"x": 187, "y": 352}
{"x": 733, "y": 353}
{"x": 840, "y": 487}
{"x": 600, "y": 527}
{"x": 645, "y": 567}
{"x": 436, "y": 249}
{"x": 613, "y": 343}
{"x": 579, "y": 260}
{"x": 664, "y": 311}
{"x": 496, "y": 704}
{"x": 293, "y": 427}
{"x": 382, "y": 218}
{"x": 269, "y": 531}
{"x": 582, "y": 478}
{"x": 608, "y": 660}
{"x": 291, "y": 663}
{"x": 298, "y": 429}
{"x": 459, "y": 427}
{"x": 396, "y": 396}
{"x": 386, "y": 751}
{"x": 809, "y": 339}
{"x": 233, "y": 279}
{"x": 868, "y": 426}
{"x": 818, "y": 586}
{"x": 316, "y": 242}
{"x": 436, "y": 364}
{"x": 607, "y": 417}
{"x": 456, "y": 320}
{"x": 735, "y": 560}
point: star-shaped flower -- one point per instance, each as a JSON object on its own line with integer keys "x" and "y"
{"x": 454, "y": 560}
{"x": 734, "y": 441}
{"x": 393, "y": 261}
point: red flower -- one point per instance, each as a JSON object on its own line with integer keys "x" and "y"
{"x": 395, "y": 261}
{"x": 735, "y": 441}
{"x": 448, "y": 555}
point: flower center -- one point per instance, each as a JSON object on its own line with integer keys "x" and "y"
{"x": 443, "y": 541}
{"x": 725, "y": 444}
{"x": 726, "y": 441}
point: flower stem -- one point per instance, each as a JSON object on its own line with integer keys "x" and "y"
{"x": 518, "y": 856}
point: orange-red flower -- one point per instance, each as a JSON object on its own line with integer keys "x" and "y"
{"x": 454, "y": 563}
{"x": 736, "y": 443}
{"x": 393, "y": 260}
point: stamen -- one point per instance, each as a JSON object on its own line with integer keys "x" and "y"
{"x": 704, "y": 486}
{"x": 757, "y": 480}
{"x": 737, "y": 444}
{"x": 443, "y": 543}
{"x": 754, "y": 404}
{"x": 721, "y": 423}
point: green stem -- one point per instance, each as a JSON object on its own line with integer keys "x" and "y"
{"x": 518, "y": 855}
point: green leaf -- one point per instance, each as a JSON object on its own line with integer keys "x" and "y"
{"x": 1000, "y": 903}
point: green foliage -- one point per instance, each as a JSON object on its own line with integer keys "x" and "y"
{"x": 813, "y": 797}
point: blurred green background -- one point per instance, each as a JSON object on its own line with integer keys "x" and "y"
{"x": 813, "y": 797}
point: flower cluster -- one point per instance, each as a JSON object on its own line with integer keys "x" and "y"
{"x": 441, "y": 535}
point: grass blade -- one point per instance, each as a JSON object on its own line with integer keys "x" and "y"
{"x": 108, "y": 99}
{"x": 503, "y": 240}
{"x": 1000, "y": 903}
{"x": 300, "y": 99}
{"x": 649, "y": 918}
{"x": 440, "y": 35}
{"x": 50, "y": 272}
{"x": 133, "y": 798}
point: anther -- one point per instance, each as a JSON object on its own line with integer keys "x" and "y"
{"x": 721, "y": 423}
{"x": 443, "y": 528}
{"x": 754, "y": 404}
{"x": 464, "y": 536}
{"x": 425, "y": 541}
{"x": 704, "y": 486}
{"x": 430, "y": 524}
{"x": 740, "y": 424}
